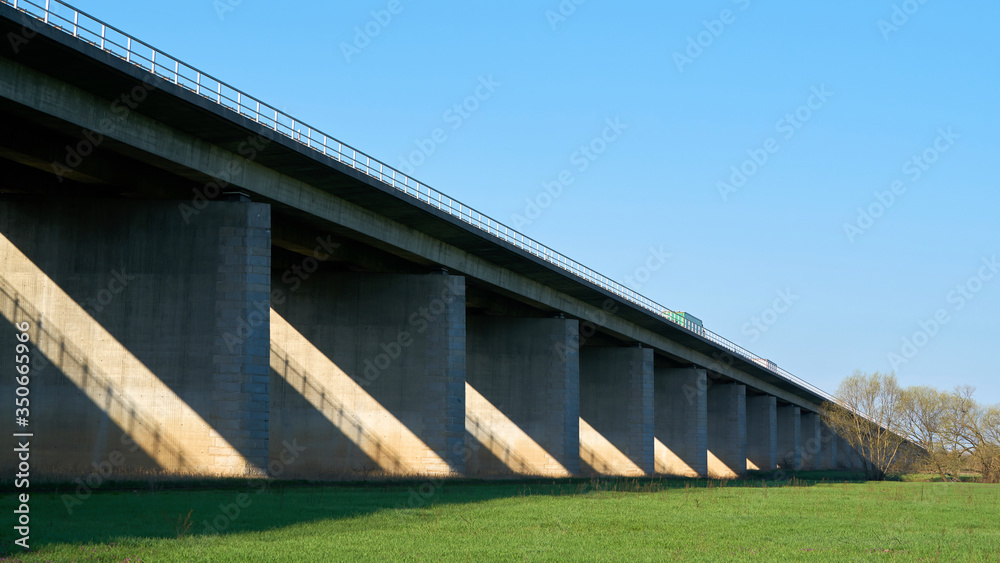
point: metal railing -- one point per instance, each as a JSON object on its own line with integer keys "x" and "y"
{"x": 112, "y": 40}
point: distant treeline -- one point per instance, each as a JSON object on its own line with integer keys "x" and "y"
{"x": 920, "y": 428}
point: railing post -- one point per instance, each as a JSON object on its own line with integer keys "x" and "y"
{"x": 46, "y": 19}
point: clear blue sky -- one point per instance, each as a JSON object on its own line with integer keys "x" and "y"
{"x": 923, "y": 82}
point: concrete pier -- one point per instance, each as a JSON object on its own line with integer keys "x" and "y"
{"x": 523, "y": 397}
{"x": 616, "y": 411}
{"x": 727, "y": 430}
{"x": 789, "y": 437}
{"x": 147, "y": 352}
{"x": 812, "y": 446}
{"x": 762, "y": 433}
{"x": 829, "y": 445}
{"x": 850, "y": 458}
{"x": 368, "y": 373}
{"x": 681, "y": 422}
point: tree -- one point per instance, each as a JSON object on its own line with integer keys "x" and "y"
{"x": 868, "y": 415}
{"x": 924, "y": 421}
{"x": 973, "y": 430}
{"x": 890, "y": 427}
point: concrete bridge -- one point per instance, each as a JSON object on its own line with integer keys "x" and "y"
{"x": 216, "y": 288}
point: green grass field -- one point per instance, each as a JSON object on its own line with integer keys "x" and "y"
{"x": 627, "y": 520}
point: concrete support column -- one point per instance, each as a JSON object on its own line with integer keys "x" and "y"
{"x": 148, "y": 348}
{"x": 811, "y": 440}
{"x": 789, "y": 437}
{"x": 852, "y": 459}
{"x": 616, "y": 411}
{"x": 727, "y": 430}
{"x": 680, "y": 427}
{"x": 762, "y": 433}
{"x": 829, "y": 443}
{"x": 523, "y": 397}
{"x": 843, "y": 453}
{"x": 368, "y": 373}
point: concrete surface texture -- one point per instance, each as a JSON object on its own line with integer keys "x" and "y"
{"x": 789, "y": 437}
{"x": 139, "y": 358}
{"x": 616, "y": 411}
{"x": 812, "y": 445}
{"x": 368, "y": 375}
{"x": 762, "y": 433}
{"x": 523, "y": 396}
{"x": 727, "y": 430}
{"x": 680, "y": 427}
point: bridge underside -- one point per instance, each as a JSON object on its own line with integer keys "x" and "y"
{"x": 207, "y": 298}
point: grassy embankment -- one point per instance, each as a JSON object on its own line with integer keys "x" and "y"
{"x": 811, "y": 519}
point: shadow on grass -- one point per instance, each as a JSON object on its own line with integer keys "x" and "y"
{"x": 124, "y": 511}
